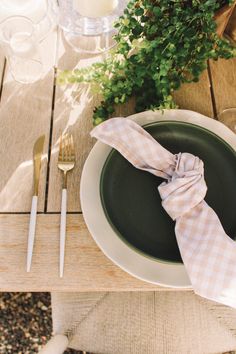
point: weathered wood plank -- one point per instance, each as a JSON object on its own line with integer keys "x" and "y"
{"x": 224, "y": 87}
{"x": 25, "y": 114}
{"x": 196, "y": 96}
{"x": 73, "y": 112}
{"x": 2, "y": 64}
{"x": 86, "y": 267}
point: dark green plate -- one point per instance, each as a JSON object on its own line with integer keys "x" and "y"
{"x": 131, "y": 200}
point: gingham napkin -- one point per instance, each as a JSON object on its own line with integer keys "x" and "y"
{"x": 208, "y": 253}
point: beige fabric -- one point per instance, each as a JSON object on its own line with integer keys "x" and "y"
{"x": 144, "y": 322}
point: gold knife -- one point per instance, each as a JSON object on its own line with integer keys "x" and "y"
{"x": 37, "y": 155}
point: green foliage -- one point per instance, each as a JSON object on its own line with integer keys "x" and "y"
{"x": 160, "y": 45}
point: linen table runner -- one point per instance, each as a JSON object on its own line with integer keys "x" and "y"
{"x": 209, "y": 255}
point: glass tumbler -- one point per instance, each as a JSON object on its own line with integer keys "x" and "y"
{"x": 43, "y": 13}
{"x": 20, "y": 45}
{"x": 88, "y": 24}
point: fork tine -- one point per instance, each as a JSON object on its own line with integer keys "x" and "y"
{"x": 65, "y": 147}
{"x": 68, "y": 147}
{"x": 60, "y": 147}
{"x": 72, "y": 146}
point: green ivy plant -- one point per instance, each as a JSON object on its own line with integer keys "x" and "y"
{"x": 160, "y": 45}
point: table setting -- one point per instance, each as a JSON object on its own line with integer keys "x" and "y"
{"x": 149, "y": 205}
{"x": 144, "y": 256}
{"x": 66, "y": 162}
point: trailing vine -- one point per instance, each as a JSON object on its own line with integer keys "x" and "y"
{"x": 160, "y": 45}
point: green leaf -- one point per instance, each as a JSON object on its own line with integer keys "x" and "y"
{"x": 170, "y": 42}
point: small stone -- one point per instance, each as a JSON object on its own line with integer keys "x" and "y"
{"x": 35, "y": 346}
{"x": 25, "y": 322}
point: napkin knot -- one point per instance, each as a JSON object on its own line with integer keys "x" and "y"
{"x": 185, "y": 188}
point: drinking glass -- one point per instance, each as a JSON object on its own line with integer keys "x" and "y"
{"x": 19, "y": 42}
{"x": 43, "y": 13}
{"x": 88, "y": 24}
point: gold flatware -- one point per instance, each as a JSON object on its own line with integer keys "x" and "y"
{"x": 66, "y": 162}
{"x": 37, "y": 156}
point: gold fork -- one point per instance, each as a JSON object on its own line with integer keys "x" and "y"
{"x": 66, "y": 162}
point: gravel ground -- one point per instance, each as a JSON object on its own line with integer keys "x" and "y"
{"x": 25, "y": 322}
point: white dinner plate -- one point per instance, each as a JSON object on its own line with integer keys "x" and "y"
{"x": 145, "y": 268}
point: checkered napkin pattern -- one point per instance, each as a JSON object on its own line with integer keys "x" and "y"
{"x": 208, "y": 253}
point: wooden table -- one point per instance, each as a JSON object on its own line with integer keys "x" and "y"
{"x": 26, "y": 112}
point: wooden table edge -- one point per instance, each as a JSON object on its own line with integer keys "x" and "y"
{"x": 86, "y": 267}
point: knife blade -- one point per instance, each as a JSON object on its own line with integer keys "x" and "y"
{"x": 37, "y": 157}
{"x": 37, "y": 154}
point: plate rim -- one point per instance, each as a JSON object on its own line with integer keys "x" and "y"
{"x": 153, "y": 271}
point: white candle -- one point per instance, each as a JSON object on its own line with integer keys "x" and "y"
{"x": 35, "y": 10}
{"x": 95, "y": 8}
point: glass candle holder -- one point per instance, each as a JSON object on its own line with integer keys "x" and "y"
{"x": 88, "y": 24}
{"x": 19, "y": 42}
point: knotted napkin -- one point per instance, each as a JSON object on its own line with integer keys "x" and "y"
{"x": 209, "y": 255}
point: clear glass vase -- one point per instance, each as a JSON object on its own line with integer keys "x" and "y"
{"x": 88, "y": 24}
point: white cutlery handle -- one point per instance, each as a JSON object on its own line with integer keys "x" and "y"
{"x": 63, "y": 230}
{"x": 31, "y": 235}
{"x": 56, "y": 345}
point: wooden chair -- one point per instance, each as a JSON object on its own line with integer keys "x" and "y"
{"x": 163, "y": 322}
